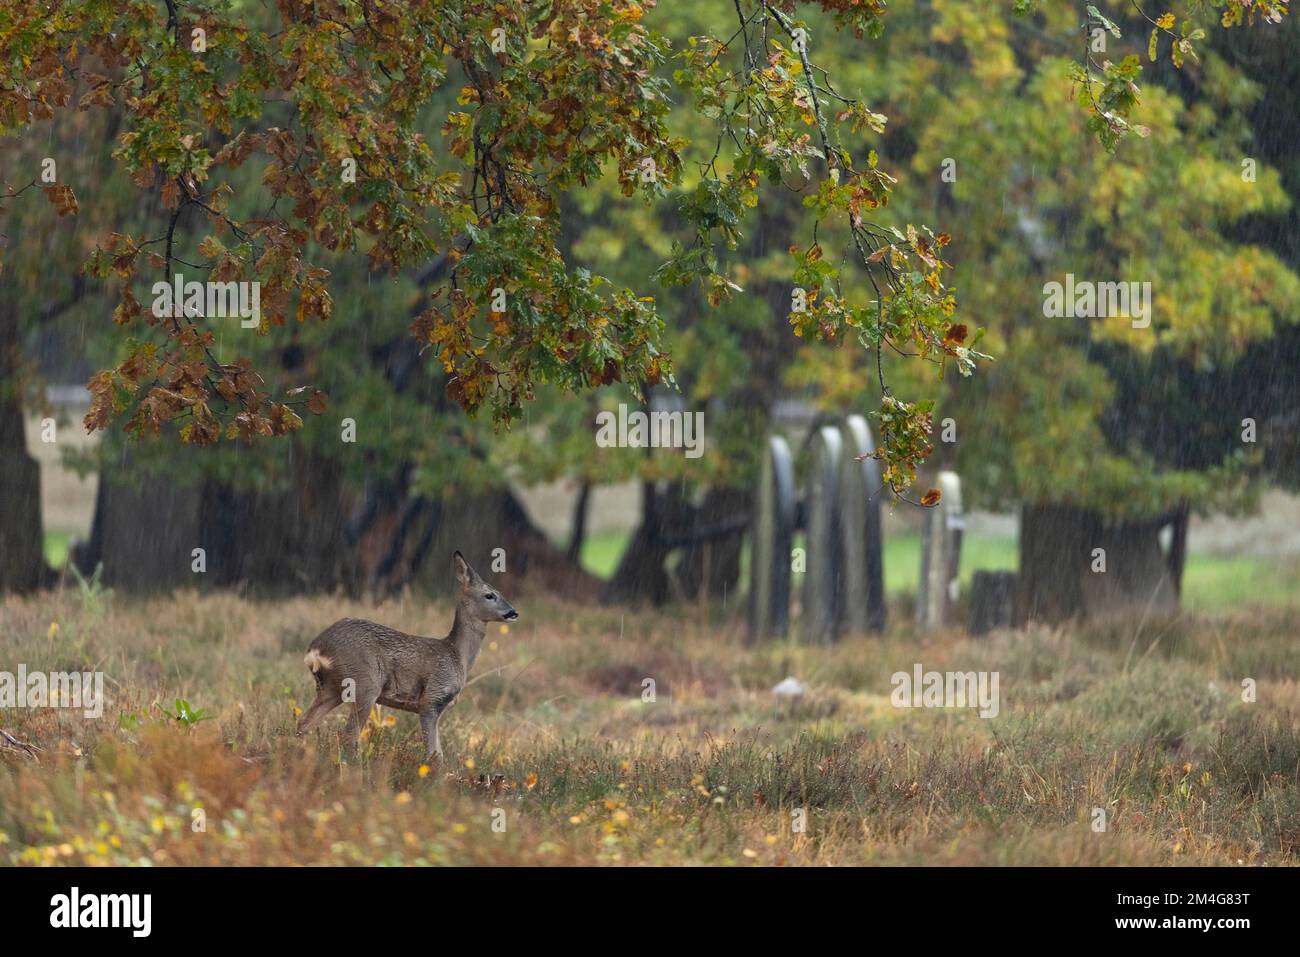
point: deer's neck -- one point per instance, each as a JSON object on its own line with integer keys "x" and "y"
{"x": 467, "y": 637}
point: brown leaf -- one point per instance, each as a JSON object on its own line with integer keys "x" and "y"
{"x": 62, "y": 199}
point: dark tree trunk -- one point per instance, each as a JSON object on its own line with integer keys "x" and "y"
{"x": 578, "y": 531}
{"x": 480, "y": 525}
{"x": 22, "y": 556}
{"x": 295, "y": 539}
{"x": 640, "y": 575}
{"x": 1057, "y": 581}
{"x": 146, "y": 529}
{"x": 710, "y": 567}
{"x": 1178, "y": 548}
{"x": 145, "y": 533}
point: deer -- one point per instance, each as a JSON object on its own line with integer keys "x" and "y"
{"x": 365, "y": 663}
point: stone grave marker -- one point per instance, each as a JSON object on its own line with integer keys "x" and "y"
{"x": 940, "y": 556}
{"x": 772, "y": 541}
{"x": 863, "y": 541}
{"x": 823, "y": 584}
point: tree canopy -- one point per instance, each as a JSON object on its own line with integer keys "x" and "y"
{"x": 562, "y": 205}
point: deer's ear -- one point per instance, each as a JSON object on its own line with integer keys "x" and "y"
{"x": 464, "y": 574}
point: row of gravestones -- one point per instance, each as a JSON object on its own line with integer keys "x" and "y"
{"x": 842, "y": 557}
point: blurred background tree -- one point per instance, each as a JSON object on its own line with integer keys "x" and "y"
{"x": 1096, "y": 432}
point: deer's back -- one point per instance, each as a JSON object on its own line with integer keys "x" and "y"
{"x": 361, "y": 649}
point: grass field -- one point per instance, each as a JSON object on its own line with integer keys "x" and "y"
{"x": 553, "y": 755}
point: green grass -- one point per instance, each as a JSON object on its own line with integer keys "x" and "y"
{"x": 600, "y": 553}
{"x": 1212, "y": 582}
{"x": 56, "y": 548}
{"x": 978, "y": 553}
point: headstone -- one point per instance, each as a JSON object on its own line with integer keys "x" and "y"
{"x": 773, "y": 539}
{"x": 940, "y": 556}
{"x": 864, "y": 567}
{"x": 992, "y": 597}
{"x": 823, "y": 584}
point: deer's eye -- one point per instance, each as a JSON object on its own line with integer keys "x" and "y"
{"x": 489, "y": 596}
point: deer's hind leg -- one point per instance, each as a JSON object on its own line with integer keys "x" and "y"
{"x": 327, "y": 699}
{"x": 366, "y": 699}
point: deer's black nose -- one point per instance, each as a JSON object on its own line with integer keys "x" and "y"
{"x": 511, "y": 615}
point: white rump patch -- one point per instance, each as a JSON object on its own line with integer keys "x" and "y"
{"x": 315, "y": 661}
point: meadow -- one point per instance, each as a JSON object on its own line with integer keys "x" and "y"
{"x": 555, "y": 755}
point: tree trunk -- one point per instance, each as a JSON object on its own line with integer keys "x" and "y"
{"x": 480, "y": 525}
{"x": 295, "y": 539}
{"x": 578, "y": 530}
{"x": 22, "y": 555}
{"x": 640, "y": 575}
{"x": 147, "y": 528}
{"x": 1178, "y": 547}
{"x": 710, "y": 568}
{"x": 145, "y": 532}
{"x": 1063, "y": 576}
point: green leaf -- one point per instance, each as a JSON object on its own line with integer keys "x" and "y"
{"x": 1096, "y": 15}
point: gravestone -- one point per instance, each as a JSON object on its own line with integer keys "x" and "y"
{"x": 992, "y": 598}
{"x": 823, "y": 583}
{"x": 940, "y": 556}
{"x": 773, "y": 539}
{"x": 860, "y": 494}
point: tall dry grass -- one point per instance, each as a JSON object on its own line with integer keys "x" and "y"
{"x": 554, "y": 756}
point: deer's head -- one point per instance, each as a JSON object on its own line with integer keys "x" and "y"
{"x": 477, "y": 597}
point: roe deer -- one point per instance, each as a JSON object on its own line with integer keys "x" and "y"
{"x": 367, "y": 664}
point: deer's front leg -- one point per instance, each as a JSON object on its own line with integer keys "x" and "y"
{"x": 432, "y": 743}
{"x": 433, "y": 708}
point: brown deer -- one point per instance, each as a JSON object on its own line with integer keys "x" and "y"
{"x": 364, "y": 663}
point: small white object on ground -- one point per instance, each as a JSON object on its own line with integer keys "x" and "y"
{"x": 789, "y": 688}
